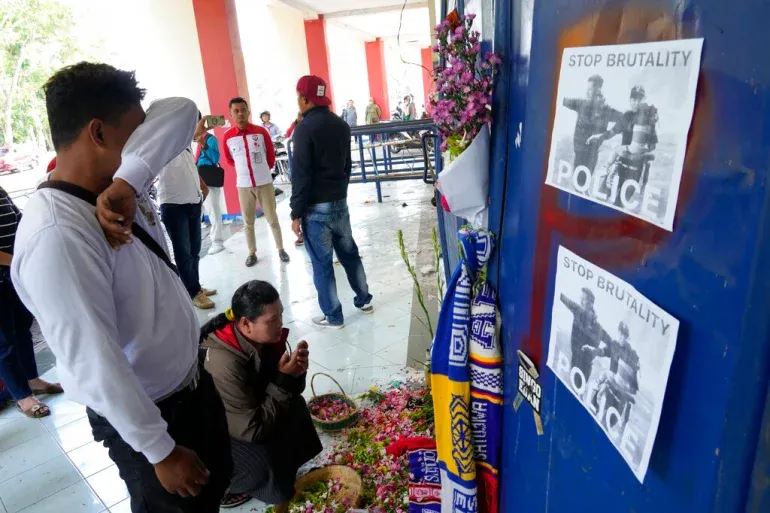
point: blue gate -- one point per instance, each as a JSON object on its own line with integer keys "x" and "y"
{"x": 712, "y": 451}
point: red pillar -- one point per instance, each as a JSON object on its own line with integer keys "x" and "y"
{"x": 318, "y": 53}
{"x": 378, "y": 80}
{"x": 224, "y": 71}
{"x": 426, "y": 55}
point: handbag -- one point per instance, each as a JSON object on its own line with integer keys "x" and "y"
{"x": 212, "y": 176}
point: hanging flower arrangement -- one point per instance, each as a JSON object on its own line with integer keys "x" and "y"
{"x": 463, "y": 103}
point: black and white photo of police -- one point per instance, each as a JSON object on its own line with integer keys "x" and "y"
{"x": 631, "y": 159}
{"x": 614, "y": 386}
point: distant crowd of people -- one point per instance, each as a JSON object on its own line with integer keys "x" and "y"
{"x": 194, "y": 418}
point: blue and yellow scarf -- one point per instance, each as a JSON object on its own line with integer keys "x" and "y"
{"x": 466, "y": 366}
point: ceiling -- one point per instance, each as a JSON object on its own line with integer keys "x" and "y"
{"x": 374, "y": 18}
{"x": 334, "y": 6}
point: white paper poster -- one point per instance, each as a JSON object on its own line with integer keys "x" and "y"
{"x": 612, "y": 348}
{"x": 623, "y": 113}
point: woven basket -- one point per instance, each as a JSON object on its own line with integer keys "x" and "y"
{"x": 349, "y": 479}
{"x": 334, "y": 425}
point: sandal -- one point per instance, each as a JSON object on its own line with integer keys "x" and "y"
{"x": 233, "y": 500}
{"x": 38, "y": 411}
{"x": 51, "y": 389}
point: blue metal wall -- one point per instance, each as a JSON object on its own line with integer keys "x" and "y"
{"x": 712, "y": 452}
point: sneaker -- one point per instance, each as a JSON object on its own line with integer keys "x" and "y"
{"x": 216, "y": 248}
{"x": 284, "y": 256}
{"x": 251, "y": 261}
{"x": 368, "y": 308}
{"x": 202, "y": 302}
{"x": 208, "y": 292}
{"x": 323, "y": 322}
{"x": 300, "y": 241}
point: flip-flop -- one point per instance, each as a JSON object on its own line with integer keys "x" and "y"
{"x": 233, "y": 500}
{"x": 51, "y": 389}
{"x": 38, "y": 411}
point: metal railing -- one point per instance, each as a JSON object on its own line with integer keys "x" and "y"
{"x": 391, "y": 151}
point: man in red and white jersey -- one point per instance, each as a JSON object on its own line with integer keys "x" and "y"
{"x": 249, "y": 149}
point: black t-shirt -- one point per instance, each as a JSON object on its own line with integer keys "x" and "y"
{"x": 10, "y": 216}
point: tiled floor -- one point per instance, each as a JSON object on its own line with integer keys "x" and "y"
{"x": 53, "y": 465}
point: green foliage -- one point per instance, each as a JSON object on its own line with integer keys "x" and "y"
{"x": 413, "y": 274}
{"x": 37, "y": 37}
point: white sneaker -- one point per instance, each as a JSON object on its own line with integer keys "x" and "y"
{"x": 216, "y": 248}
{"x": 323, "y": 322}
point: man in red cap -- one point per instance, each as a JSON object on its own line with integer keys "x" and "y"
{"x": 320, "y": 174}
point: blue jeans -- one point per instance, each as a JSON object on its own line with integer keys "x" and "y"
{"x": 17, "y": 354}
{"x": 183, "y": 224}
{"x": 327, "y": 231}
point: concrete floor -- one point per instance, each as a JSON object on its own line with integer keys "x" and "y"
{"x": 53, "y": 465}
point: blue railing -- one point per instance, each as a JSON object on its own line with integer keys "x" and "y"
{"x": 390, "y": 151}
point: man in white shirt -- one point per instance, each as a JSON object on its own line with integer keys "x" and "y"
{"x": 249, "y": 149}
{"x": 181, "y": 192}
{"x": 120, "y": 323}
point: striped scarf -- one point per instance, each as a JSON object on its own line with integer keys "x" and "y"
{"x": 466, "y": 379}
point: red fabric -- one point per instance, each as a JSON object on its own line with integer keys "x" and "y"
{"x": 51, "y": 165}
{"x": 444, "y": 204}
{"x": 488, "y": 491}
{"x": 291, "y": 128}
{"x": 399, "y": 447}
{"x": 227, "y": 335}
{"x": 314, "y": 89}
{"x": 250, "y": 129}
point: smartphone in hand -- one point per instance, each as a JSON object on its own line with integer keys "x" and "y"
{"x": 214, "y": 121}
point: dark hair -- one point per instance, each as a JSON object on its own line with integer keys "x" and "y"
{"x": 637, "y": 93}
{"x": 77, "y": 94}
{"x": 265, "y": 113}
{"x": 249, "y": 301}
{"x": 596, "y": 80}
{"x": 235, "y": 100}
{"x": 200, "y": 116}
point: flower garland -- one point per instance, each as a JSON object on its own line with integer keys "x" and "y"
{"x": 464, "y": 86}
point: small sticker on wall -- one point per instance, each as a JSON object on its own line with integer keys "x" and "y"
{"x": 529, "y": 389}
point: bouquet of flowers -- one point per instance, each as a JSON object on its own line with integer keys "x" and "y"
{"x": 464, "y": 85}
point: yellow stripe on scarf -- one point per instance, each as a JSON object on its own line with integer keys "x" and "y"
{"x": 454, "y": 439}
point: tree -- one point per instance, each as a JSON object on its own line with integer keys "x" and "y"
{"x": 36, "y": 38}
